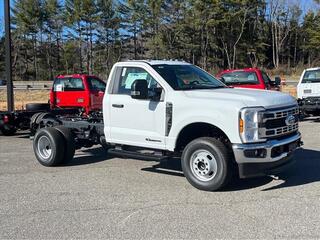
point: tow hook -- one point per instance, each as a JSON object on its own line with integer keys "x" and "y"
{"x": 300, "y": 143}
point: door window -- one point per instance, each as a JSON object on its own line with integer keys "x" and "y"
{"x": 96, "y": 84}
{"x": 129, "y": 75}
{"x": 68, "y": 84}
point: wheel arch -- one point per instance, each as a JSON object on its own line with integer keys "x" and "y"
{"x": 195, "y": 130}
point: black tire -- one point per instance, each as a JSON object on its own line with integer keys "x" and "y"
{"x": 38, "y": 107}
{"x": 70, "y": 142}
{"x": 210, "y": 156}
{"x": 34, "y": 117}
{"x": 8, "y": 130}
{"x": 33, "y": 120}
{"x": 42, "y": 116}
{"x": 49, "y": 147}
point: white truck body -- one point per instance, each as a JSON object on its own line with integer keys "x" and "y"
{"x": 143, "y": 122}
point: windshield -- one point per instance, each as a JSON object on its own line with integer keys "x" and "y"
{"x": 312, "y": 76}
{"x": 68, "y": 84}
{"x": 187, "y": 77}
{"x": 238, "y": 78}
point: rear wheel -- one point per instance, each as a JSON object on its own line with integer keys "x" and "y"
{"x": 49, "y": 146}
{"x": 206, "y": 163}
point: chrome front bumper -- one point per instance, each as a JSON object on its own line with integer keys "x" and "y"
{"x": 268, "y": 164}
{"x": 239, "y": 150}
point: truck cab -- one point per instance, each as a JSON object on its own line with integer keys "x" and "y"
{"x": 308, "y": 91}
{"x": 77, "y": 91}
{"x": 249, "y": 78}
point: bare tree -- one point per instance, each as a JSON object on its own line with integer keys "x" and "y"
{"x": 280, "y": 28}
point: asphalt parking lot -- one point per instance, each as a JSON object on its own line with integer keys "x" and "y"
{"x": 96, "y": 196}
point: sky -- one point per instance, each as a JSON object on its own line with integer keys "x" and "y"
{"x": 305, "y": 6}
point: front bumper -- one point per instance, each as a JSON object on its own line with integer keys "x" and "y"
{"x": 273, "y": 156}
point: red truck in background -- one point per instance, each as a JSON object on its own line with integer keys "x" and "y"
{"x": 249, "y": 78}
{"x": 77, "y": 91}
{"x": 69, "y": 93}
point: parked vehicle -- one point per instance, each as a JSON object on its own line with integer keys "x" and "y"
{"x": 160, "y": 109}
{"x": 308, "y": 91}
{"x": 77, "y": 94}
{"x": 3, "y": 82}
{"x": 249, "y": 78}
{"x": 79, "y": 91}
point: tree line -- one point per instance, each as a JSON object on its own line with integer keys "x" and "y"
{"x": 53, "y": 37}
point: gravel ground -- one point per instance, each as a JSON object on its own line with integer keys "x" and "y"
{"x": 95, "y": 196}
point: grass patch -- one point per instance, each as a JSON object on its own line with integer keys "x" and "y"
{"x": 22, "y": 97}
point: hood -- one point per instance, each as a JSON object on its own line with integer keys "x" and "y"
{"x": 308, "y": 90}
{"x": 249, "y": 97}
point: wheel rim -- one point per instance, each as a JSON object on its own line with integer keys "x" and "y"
{"x": 203, "y": 165}
{"x": 44, "y": 147}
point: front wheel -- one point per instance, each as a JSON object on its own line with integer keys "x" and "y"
{"x": 206, "y": 163}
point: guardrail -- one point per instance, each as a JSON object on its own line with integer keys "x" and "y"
{"x": 30, "y": 86}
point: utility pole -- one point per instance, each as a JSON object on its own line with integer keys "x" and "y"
{"x": 10, "y": 99}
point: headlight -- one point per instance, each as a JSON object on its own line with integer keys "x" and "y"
{"x": 249, "y": 120}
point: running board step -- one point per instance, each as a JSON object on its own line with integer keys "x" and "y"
{"x": 136, "y": 155}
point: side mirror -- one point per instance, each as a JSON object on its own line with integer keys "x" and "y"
{"x": 277, "y": 80}
{"x": 139, "y": 89}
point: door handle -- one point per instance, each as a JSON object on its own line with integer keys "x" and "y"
{"x": 117, "y": 105}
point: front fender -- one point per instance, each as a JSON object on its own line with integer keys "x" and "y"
{"x": 228, "y": 123}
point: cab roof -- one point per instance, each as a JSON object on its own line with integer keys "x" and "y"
{"x": 312, "y": 69}
{"x": 160, "y": 62}
{"x": 76, "y": 75}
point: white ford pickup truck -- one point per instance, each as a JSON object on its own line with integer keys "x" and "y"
{"x": 162, "y": 109}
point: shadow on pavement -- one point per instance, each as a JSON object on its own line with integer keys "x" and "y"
{"x": 170, "y": 166}
{"x": 305, "y": 170}
{"x": 90, "y": 156}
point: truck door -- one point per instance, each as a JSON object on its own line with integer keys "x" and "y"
{"x": 97, "y": 88}
{"x": 133, "y": 121}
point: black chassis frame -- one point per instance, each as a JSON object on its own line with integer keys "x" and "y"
{"x": 20, "y": 119}
{"x": 87, "y": 131}
{"x": 309, "y": 105}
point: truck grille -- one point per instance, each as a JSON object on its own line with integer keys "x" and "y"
{"x": 276, "y": 123}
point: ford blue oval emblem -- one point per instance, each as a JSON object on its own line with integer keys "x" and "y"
{"x": 290, "y": 120}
